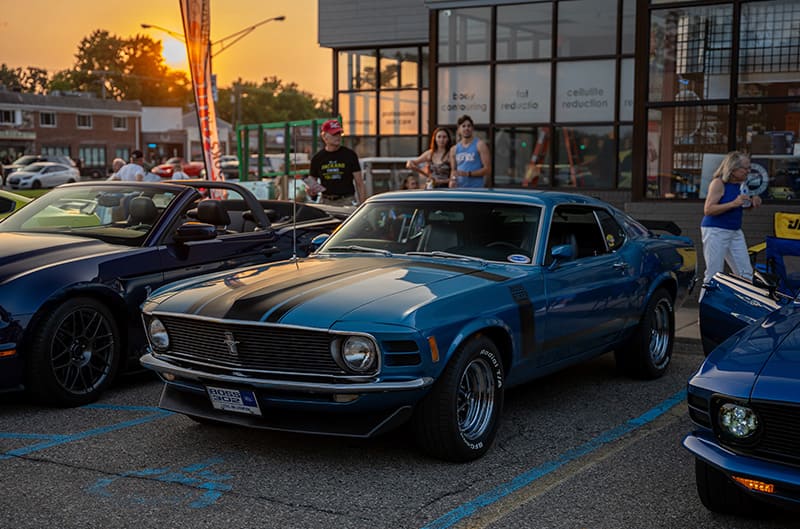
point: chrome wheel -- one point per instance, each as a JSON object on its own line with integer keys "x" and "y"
{"x": 661, "y": 333}
{"x": 475, "y": 405}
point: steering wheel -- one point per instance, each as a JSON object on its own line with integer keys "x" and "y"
{"x": 505, "y": 244}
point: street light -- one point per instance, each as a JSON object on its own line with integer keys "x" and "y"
{"x": 224, "y": 45}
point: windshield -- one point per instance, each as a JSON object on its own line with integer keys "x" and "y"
{"x": 113, "y": 213}
{"x": 487, "y": 231}
{"x": 25, "y": 160}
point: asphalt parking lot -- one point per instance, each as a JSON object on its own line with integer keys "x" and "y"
{"x": 585, "y": 448}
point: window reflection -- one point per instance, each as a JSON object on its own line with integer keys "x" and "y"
{"x": 587, "y": 27}
{"x": 524, "y": 31}
{"x": 464, "y": 34}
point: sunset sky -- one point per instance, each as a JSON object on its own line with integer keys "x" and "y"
{"x": 46, "y": 34}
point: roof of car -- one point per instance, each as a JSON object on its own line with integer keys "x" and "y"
{"x": 492, "y": 194}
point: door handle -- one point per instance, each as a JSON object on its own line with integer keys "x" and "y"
{"x": 620, "y": 266}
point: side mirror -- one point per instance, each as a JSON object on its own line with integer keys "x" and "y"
{"x": 317, "y": 241}
{"x": 562, "y": 252}
{"x": 195, "y": 231}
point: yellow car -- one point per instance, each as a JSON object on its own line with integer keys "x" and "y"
{"x": 11, "y": 202}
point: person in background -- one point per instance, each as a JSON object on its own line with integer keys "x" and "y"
{"x": 721, "y": 227}
{"x": 469, "y": 160}
{"x": 337, "y": 169}
{"x": 116, "y": 165}
{"x": 177, "y": 172}
{"x": 434, "y": 163}
{"x": 411, "y": 182}
{"x": 133, "y": 171}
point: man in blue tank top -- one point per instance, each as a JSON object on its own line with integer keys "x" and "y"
{"x": 469, "y": 158}
{"x": 721, "y": 227}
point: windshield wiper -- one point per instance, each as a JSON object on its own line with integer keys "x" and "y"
{"x": 357, "y": 248}
{"x": 449, "y": 255}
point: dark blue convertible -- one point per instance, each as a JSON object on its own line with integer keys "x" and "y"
{"x": 76, "y": 264}
{"x": 424, "y": 306}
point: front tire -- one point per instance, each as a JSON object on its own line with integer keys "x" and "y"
{"x": 457, "y": 421}
{"x": 648, "y": 352}
{"x": 75, "y": 353}
{"x": 719, "y": 494}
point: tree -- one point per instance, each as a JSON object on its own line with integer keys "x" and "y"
{"x": 30, "y": 79}
{"x": 271, "y": 101}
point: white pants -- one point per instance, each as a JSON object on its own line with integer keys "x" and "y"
{"x": 722, "y": 246}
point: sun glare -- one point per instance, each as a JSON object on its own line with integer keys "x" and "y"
{"x": 175, "y": 54}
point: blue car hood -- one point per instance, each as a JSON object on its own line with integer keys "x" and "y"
{"x": 322, "y": 291}
{"x": 24, "y": 252}
{"x": 761, "y": 361}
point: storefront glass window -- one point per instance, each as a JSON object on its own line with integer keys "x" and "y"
{"x": 769, "y": 133}
{"x": 522, "y": 93}
{"x": 399, "y": 68}
{"x": 524, "y": 31}
{"x": 769, "y": 56}
{"x": 399, "y": 112}
{"x": 465, "y": 34}
{"x": 358, "y": 113}
{"x": 587, "y": 27}
{"x": 585, "y": 91}
{"x": 585, "y": 157}
{"x": 683, "y": 148}
{"x": 626, "y": 81}
{"x": 690, "y": 53}
{"x": 357, "y": 70}
{"x": 463, "y": 90}
{"x": 625, "y": 157}
{"x": 522, "y": 157}
{"x": 628, "y": 25}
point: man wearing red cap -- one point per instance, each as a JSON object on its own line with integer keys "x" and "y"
{"x": 337, "y": 169}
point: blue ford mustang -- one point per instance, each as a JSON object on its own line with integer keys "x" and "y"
{"x": 423, "y": 306}
{"x": 744, "y": 399}
{"x": 76, "y": 264}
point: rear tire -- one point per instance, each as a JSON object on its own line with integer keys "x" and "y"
{"x": 721, "y": 495}
{"x": 648, "y": 352}
{"x": 75, "y": 353}
{"x": 458, "y": 419}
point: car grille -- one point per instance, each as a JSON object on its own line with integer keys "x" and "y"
{"x": 780, "y": 438}
{"x": 261, "y": 348}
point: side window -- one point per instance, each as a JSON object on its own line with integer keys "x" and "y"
{"x": 6, "y": 205}
{"x": 577, "y": 226}
{"x": 614, "y": 233}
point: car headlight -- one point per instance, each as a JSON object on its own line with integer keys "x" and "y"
{"x": 358, "y": 354}
{"x": 158, "y": 334}
{"x": 737, "y": 421}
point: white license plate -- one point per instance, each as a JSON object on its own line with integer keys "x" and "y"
{"x": 238, "y": 400}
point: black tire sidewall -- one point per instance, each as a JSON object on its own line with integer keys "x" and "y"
{"x": 41, "y": 380}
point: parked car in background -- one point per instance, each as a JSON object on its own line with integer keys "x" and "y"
{"x": 43, "y": 175}
{"x": 27, "y": 159}
{"x": 744, "y": 402}
{"x": 192, "y": 169}
{"x": 229, "y": 166}
{"x": 77, "y": 262}
{"x": 10, "y": 202}
{"x": 422, "y": 307}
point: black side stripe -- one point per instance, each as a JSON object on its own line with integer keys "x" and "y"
{"x": 527, "y": 322}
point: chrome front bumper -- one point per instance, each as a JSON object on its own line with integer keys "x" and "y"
{"x": 151, "y": 362}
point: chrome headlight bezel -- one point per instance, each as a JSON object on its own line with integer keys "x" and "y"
{"x": 157, "y": 334}
{"x": 356, "y": 353}
{"x": 737, "y": 422}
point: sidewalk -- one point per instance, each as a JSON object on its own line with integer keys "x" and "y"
{"x": 687, "y": 329}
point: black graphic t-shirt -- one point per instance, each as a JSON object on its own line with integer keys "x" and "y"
{"x": 335, "y": 170}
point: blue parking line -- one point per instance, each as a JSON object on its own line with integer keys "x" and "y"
{"x": 55, "y": 440}
{"x": 526, "y": 478}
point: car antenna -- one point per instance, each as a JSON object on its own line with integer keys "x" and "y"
{"x": 288, "y": 171}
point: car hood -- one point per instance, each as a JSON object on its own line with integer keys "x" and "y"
{"x": 25, "y": 252}
{"x": 320, "y": 292}
{"x": 761, "y": 361}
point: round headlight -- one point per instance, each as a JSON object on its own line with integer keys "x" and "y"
{"x": 359, "y": 354}
{"x": 158, "y": 334}
{"x": 737, "y": 421}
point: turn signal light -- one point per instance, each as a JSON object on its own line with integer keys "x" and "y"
{"x": 7, "y": 353}
{"x": 434, "y": 348}
{"x": 759, "y": 486}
